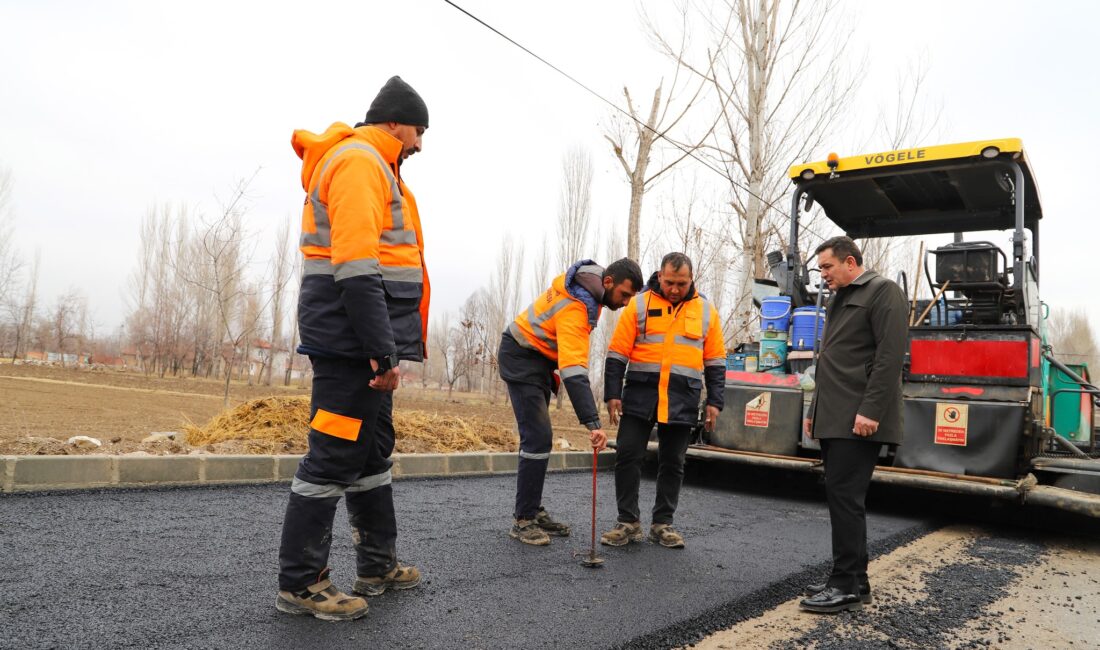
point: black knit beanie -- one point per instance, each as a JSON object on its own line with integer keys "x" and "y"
{"x": 397, "y": 102}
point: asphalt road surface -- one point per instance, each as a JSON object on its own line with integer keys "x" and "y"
{"x": 196, "y": 568}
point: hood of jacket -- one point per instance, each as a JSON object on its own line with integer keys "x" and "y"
{"x": 312, "y": 147}
{"x": 584, "y": 281}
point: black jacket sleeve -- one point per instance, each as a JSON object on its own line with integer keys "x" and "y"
{"x": 715, "y": 377}
{"x": 613, "y": 372}
{"x": 365, "y": 301}
{"x": 890, "y": 328}
{"x": 580, "y": 394}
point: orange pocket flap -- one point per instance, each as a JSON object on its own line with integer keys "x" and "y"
{"x": 693, "y": 327}
{"x": 339, "y": 426}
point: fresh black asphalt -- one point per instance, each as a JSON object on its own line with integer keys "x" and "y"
{"x": 196, "y": 568}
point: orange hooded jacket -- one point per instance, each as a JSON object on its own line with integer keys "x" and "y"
{"x": 666, "y": 351}
{"x": 365, "y": 290}
{"x": 553, "y": 332}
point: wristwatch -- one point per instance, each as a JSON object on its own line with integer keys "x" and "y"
{"x": 387, "y": 363}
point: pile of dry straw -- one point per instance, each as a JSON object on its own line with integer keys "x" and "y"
{"x": 280, "y": 425}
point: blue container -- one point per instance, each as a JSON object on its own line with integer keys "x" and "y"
{"x": 773, "y": 354}
{"x": 775, "y": 313}
{"x": 807, "y": 325}
{"x": 941, "y": 315}
{"x": 736, "y": 361}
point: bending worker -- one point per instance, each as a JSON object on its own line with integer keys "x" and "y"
{"x": 668, "y": 341}
{"x": 363, "y": 307}
{"x": 552, "y": 334}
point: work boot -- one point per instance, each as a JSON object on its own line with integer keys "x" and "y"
{"x": 666, "y": 536}
{"x": 622, "y": 534}
{"x": 323, "y": 601}
{"x": 400, "y": 577}
{"x": 528, "y": 532}
{"x": 551, "y": 527}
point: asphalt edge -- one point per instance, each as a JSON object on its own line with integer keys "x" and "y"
{"x": 21, "y": 474}
{"x": 696, "y": 628}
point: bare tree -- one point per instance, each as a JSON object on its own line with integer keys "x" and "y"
{"x": 11, "y": 263}
{"x": 471, "y": 339}
{"x": 914, "y": 117}
{"x": 540, "y": 273}
{"x": 778, "y": 100}
{"x": 912, "y": 120}
{"x": 218, "y": 272}
{"x": 23, "y": 312}
{"x": 292, "y": 341}
{"x": 574, "y": 206}
{"x": 1072, "y": 338}
{"x": 159, "y": 312}
{"x": 600, "y": 339}
{"x": 282, "y": 265}
{"x": 635, "y": 140}
{"x": 449, "y": 350}
{"x": 501, "y": 302}
{"x": 68, "y": 323}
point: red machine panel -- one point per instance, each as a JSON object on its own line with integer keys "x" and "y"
{"x": 974, "y": 358}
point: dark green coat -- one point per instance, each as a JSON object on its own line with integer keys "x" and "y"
{"x": 859, "y": 366}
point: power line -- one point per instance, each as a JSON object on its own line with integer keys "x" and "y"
{"x": 615, "y": 107}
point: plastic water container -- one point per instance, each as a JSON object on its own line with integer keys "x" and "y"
{"x": 804, "y": 321}
{"x": 941, "y": 315}
{"x": 773, "y": 353}
{"x": 775, "y": 313}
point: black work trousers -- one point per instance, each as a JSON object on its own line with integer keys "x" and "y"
{"x": 351, "y": 439}
{"x": 630, "y": 449}
{"x": 848, "y": 468}
{"x": 531, "y": 404}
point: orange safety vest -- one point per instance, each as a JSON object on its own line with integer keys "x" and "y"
{"x": 672, "y": 343}
{"x": 556, "y": 326}
{"x": 360, "y": 218}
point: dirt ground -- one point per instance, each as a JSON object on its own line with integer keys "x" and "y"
{"x": 1053, "y": 603}
{"x": 41, "y": 407}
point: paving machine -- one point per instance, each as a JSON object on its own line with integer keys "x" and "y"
{"x": 988, "y": 409}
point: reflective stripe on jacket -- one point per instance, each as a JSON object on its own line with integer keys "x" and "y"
{"x": 556, "y": 326}
{"x": 665, "y": 352}
{"x": 365, "y": 290}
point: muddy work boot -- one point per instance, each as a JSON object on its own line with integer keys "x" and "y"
{"x": 551, "y": 527}
{"x": 323, "y": 601}
{"x": 528, "y": 532}
{"x": 622, "y": 534}
{"x": 400, "y": 577}
{"x": 666, "y": 536}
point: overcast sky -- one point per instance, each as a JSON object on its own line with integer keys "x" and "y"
{"x": 108, "y": 108}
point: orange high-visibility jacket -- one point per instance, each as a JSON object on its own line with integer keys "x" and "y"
{"x": 556, "y": 327}
{"x": 666, "y": 352}
{"x": 365, "y": 289}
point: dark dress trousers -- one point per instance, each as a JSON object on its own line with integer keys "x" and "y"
{"x": 858, "y": 373}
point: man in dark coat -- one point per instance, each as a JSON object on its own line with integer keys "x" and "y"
{"x": 856, "y": 409}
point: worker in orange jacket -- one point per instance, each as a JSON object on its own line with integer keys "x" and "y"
{"x": 552, "y": 334}
{"x": 363, "y": 307}
{"x": 668, "y": 342}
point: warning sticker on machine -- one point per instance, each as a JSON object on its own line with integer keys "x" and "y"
{"x": 758, "y": 410}
{"x": 951, "y": 424}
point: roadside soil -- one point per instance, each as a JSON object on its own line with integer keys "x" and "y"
{"x": 41, "y": 407}
{"x": 959, "y": 587}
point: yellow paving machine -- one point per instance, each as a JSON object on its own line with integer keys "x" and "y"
{"x": 988, "y": 408}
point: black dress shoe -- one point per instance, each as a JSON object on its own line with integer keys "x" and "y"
{"x": 864, "y": 591}
{"x": 831, "y": 601}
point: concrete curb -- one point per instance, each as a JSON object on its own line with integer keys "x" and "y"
{"x": 42, "y": 473}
